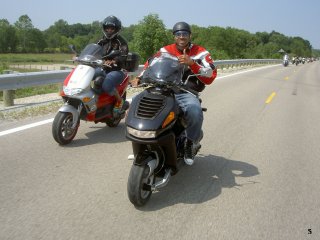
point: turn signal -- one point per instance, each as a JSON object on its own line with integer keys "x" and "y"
{"x": 168, "y": 119}
{"x": 86, "y": 99}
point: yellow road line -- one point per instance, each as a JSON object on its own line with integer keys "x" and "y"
{"x": 286, "y": 78}
{"x": 269, "y": 99}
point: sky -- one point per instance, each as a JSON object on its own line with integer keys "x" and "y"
{"x": 293, "y": 18}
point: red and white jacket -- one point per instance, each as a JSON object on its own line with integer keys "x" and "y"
{"x": 203, "y": 63}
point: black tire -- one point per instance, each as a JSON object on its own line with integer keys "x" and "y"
{"x": 114, "y": 122}
{"x": 61, "y": 128}
{"x": 137, "y": 178}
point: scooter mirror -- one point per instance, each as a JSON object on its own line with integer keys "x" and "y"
{"x": 73, "y": 49}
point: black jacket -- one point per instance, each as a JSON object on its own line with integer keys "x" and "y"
{"x": 120, "y": 47}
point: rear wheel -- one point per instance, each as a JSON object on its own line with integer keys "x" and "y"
{"x": 113, "y": 122}
{"x": 62, "y": 130}
{"x": 139, "y": 177}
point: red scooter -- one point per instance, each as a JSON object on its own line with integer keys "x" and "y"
{"x": 82, "y": 97}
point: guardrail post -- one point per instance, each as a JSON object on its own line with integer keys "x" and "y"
{"x": 8, "y": 98}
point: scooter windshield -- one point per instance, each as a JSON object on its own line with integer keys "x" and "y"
{"x": 91, "y": 52}
{"x": 164, "y": 70}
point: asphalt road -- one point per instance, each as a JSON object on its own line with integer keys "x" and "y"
{"x": 256, "y": 177}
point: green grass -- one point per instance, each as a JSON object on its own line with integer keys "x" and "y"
{"x": 40, "y": 58}
{"x": 27, "y": 92}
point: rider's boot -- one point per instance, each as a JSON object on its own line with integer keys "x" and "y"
{"x": 189, "y": 153}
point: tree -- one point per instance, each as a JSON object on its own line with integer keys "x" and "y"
{"x": 127, "y": 32}
{"x": 300, "y": 47}
{"x": 263, "y": 37}
{"x": 61, "y": 34}
{"x": 316, "y": 52}
{"x": 61, "y": 27}
{"x": 9, "y": 39}
{"x": 149, "y": 36}
{"x": 281, "y": 40}
{"x": 23, "y": 25}
{"x": 36, "y": 41}
{"x": 95, "y": 32}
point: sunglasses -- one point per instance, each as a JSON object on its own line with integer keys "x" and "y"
{"x": 182, "y": 34}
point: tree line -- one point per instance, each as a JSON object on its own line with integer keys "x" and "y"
{"x": 147, "y": 37}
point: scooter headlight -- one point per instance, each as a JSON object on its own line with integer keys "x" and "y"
{"x": 141, "y": 134}
{"x": 72, "y": 91}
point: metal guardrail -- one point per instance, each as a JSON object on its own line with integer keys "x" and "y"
{"x": 247, "y": 61}
{"x": 22, "y": 80}
{"x": 9, "y": 82}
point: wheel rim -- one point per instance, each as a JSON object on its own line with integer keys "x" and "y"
{"x": 66, "y": 127}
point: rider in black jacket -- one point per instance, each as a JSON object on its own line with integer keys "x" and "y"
{"x": 115, "y": 51}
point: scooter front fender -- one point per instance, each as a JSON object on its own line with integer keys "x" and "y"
{"x": 73, "y": 111}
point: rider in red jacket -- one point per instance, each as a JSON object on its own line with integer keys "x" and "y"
{"x": 199, "y": 61}
{"x": 197, "y": 58}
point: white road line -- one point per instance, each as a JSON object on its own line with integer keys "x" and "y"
{"x": 18, "y": 129}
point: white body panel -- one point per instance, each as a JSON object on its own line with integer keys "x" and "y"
{"x": 81, "y": 77}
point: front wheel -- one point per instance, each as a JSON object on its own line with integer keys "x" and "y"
{"x": 138, "y": 179}
{"x": 62, "y": 130}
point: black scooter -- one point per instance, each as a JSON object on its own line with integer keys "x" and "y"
{"x": 156, "y": 128}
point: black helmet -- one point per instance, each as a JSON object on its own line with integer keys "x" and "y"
{"x": 111, "y": 21}
{"x": 181, "y": 26}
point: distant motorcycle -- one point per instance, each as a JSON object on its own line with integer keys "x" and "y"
{"x": 83, "y": 98}
{"x": 285, "y": 62}
{"x": 296, "y": 61}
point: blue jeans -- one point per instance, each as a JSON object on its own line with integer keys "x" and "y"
{"x": 193, "y": 115}
{"x": 111, "y": 80}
